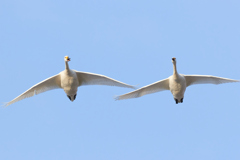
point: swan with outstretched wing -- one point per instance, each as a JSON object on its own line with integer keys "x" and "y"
{"x": 69, "y": 80}
{"x": 177, "y": 84}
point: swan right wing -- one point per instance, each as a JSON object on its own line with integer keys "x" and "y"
{"x": 53, "y": 82}
{"x": 86, "y": 78}
{"x": 206, "y": 79}
{"x": 152, "y": 88}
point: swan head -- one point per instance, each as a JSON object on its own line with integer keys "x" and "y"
{"x": 66, "y": 59}
{"x": 174, "y": 60}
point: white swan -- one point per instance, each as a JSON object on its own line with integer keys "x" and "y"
{"x": 69, "y": 80}
{"x": 177, "y": 84}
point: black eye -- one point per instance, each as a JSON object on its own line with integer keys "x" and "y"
{"x": 69, "y": 98}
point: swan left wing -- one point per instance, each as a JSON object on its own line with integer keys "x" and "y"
{"x": 152, "y": 88}
{"x": 86, "y": 78}
{"x": 206, "y": 79}
{"x": 46, "y": 85}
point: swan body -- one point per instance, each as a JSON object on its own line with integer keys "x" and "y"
{"x": 177, "y": 86}
{"x": 69, "y": 83}
{"x": 69, "y": 80}
{"x": 176, "y": 83}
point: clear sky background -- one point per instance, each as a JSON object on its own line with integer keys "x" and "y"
{"x": 132, "y": 41}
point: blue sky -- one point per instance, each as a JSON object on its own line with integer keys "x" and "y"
{"x": 133, "y": 42}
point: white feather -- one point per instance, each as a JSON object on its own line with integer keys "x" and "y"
{"x": 206, "y": 79}
{"x": 86, "y": 78}
{"x": 46, "y": 85}
{"x": 152, "y": 88}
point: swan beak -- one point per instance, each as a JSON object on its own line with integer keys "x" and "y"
{"x": 68, "y": 59}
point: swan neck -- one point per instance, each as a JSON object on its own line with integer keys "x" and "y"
{"x": 175, "y": 69}
{"x": 66, "y": 65}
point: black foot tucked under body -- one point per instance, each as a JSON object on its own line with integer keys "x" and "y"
{"x": 176, "y": 100}
{"x": 181, "y": 100}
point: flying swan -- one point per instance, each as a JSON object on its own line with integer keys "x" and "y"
{"x": 176, "y": 83}
{"x": 69, "y": 80}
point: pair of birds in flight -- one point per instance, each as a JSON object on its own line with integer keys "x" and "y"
{"x": 69, "y": 80}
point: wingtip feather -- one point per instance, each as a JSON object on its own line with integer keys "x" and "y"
{"x": 116, "y": 98}
{"x": 135, "y": 86}
{"x": 5, "y": 104}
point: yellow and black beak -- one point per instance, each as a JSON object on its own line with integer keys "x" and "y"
{"x": 67, "y": 58}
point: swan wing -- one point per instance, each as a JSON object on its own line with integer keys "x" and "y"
{"x": 53, "y": 82}
{"x": 206, "y": 79}
{"x": 86, "y": 78}
{"x": 152, "y": 88}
